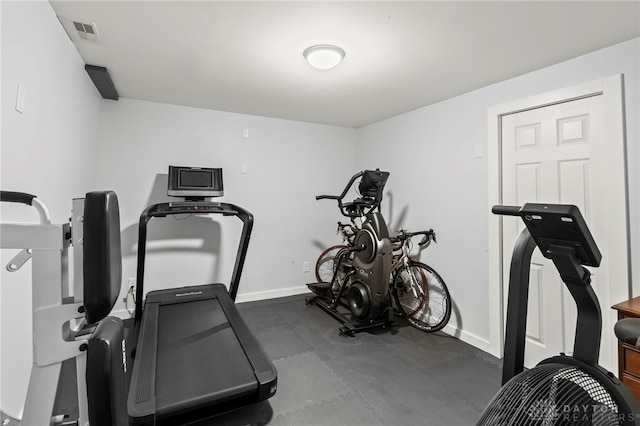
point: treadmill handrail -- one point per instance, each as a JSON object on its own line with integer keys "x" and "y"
{"x": 192, "y": 207}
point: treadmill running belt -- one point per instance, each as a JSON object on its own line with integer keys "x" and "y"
{"x": 195, "y": 358}
{"x": 199, "y": 358}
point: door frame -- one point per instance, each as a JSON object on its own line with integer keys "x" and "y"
{"x": 612, "y": 92}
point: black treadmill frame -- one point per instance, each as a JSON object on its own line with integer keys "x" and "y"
{"x": 142, "y": 390}
{"x": 193, "y": 207}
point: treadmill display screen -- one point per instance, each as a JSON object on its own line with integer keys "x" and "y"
{"x": 192, "y": 178}
{"x": 195, "y": 182}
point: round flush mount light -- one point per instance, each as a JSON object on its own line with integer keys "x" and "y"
{"x": 324, "y": 56}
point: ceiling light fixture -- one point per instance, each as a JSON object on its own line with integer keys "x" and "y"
{"x": 324, "y": 56}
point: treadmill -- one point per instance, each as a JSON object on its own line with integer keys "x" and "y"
{"x": 195, "y": 356}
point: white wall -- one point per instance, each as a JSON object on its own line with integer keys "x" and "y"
{"x": 69, "y": 141}
{"x": 437, "y": 182}
{"x": 288, "y": 164}
{"x": 48, "y": 151}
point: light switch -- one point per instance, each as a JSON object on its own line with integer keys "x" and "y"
{"x": 477, "y": 150}
{"x": 243, "y": 168}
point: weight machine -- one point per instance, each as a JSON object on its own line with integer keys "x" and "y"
{"x": 59, "y": 316}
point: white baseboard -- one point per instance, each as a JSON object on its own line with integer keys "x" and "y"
{"x": 473, "y": 340}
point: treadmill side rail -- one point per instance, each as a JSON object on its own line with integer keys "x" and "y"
{"x": 263, "y": 368}
{"x": 141, "y": 402}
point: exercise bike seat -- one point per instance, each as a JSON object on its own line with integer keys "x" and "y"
{"x": 355, "y": 208}
{"x": 627, "y": 330}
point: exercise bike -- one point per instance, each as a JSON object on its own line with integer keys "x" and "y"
{"x": 562, "y": 390}
{"x": 358, "y": 294}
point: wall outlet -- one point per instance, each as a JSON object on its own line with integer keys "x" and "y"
{"x": 305, "y": 266}
{"x": 131, "y": 289}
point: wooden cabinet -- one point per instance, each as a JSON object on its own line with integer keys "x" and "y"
{"x": 629, "y": 356}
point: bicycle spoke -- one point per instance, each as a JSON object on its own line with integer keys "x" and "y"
{"x": 422, "y": 297}
{"x": 325, "y": 264}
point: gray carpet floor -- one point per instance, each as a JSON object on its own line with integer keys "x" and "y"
{"x": 400, "y": 376}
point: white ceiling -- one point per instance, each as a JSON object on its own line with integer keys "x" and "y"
{"x": 246, "y": 57}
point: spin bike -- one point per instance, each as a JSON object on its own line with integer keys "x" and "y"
{"x": 562, "y": 390}
{"x": 358, "y": 294}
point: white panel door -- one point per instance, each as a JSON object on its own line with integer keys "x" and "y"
{"x": 548, "y": 157}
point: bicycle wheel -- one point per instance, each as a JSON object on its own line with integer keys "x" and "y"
{"x": 422, "y": 296}
{"x": 325, "y": 264}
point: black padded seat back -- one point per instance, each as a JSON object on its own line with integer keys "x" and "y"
{"x": 106, "y": 374}
{"x": 102, "y": 261}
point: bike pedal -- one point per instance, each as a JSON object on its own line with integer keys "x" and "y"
{"x": 321, "y": 288}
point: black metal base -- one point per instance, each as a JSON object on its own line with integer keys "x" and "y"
{"x": 351, "y": 325}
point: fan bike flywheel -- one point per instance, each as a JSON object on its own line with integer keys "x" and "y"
{"x": 557, "y": 392}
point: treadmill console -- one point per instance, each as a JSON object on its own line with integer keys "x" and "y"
{"x": 189, "y": 207}
{"x": 193, "y": 206}
{"x": 195, "y": 183}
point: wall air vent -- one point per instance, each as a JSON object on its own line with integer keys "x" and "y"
{"x": 87, "y": 31}
{"x": 79, "y": 30}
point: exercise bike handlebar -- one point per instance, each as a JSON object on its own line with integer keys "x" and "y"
{"x": 328, "y": 197}
{"x": 28, "y": 199}
{"x": 344, "y": 191}
{"x": 370, "y": 194}
{"x": 506, "y": 210}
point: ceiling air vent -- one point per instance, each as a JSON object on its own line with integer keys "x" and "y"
{"x": 77, "y": 29}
